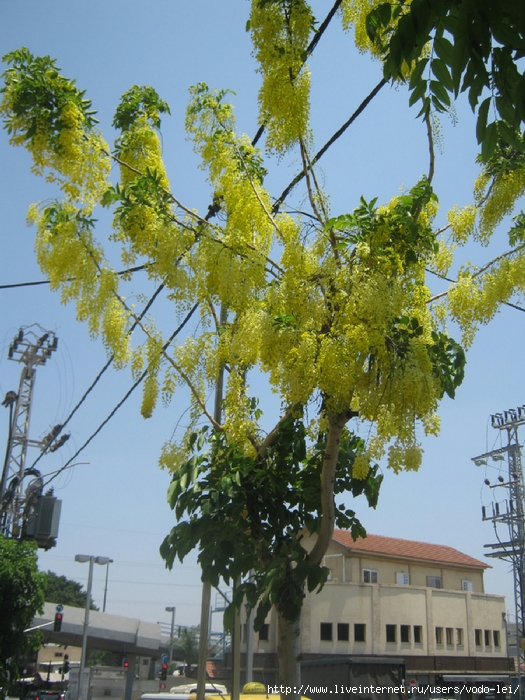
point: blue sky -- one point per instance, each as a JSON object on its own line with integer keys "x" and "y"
{"x": 115, "y": 505}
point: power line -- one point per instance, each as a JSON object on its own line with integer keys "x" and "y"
{"x": 99, "y": 375}
{"x": 71, "y": 279}
{"x": 123, "y": 400}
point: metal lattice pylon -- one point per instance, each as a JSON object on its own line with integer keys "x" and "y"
{"x": 31, "y": 350}
{"x": 510, "y": 513}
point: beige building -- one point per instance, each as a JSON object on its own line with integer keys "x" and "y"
{"x": 388, "y": 597}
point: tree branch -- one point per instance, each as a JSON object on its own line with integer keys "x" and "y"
{"x": 271, "y": 438}
{"x": 329, "y": 143}
{"x": 336, "y": 424}
{"x": 477, "y": 274}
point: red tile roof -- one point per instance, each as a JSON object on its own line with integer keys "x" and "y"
{"x": 407, "y": 549}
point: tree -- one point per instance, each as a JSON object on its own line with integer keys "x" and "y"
{"x": 332, "y": 307}
{"x": 21, "y": 598}
{"x": 186, "y": 648}
{"x": 65, "y": 591}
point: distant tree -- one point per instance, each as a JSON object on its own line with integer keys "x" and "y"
{"x": 21, "y": 597}
{"x": 97, "y": 658}
{"x": 65, "y": 591}
{"x": 186, "y": 647}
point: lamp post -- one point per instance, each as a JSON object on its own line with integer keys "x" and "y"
{"x": 83, "y": 558}
{"x": 110, "y": 561}
{"x": 172, "y": 611}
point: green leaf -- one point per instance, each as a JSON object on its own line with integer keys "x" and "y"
{"x": 444, "y": 49}
{"x": 490, "y": 141}
{"x": 418, "y": 92}
{"x": 481, "y": 124}
{"x": 417, "y": 73}
{"x": 440, "y": 70}
{"x": 425, "y": 109}
{"x": 440, "y": 92}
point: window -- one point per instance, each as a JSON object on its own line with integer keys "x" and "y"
{"x": 418, "y": 634}
{"x": 449, "y": 634}
{"x": 369, "y": 576}
{"x": 402, "y": 579}
{"x": 467, "y": 585}
{"x": 326, "y": 631}
{"x": 434, "y": 582}
{"x": 264, "y": 633}
{"x": 496, "y": 638}
{"x": 359, "y": 632}
{"x": 404, "y": 634}
{"x": 459, "y": 636}
{"x": 488, "y": 638}
{"x": 439, "y": 636}
{"x": 477, "y": 637}
{"x": 391, "y": 633}
{"x": 343, "y": 631}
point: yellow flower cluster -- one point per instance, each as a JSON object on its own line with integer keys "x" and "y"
{"x": 474, "y": 300}
{"x": 404, "y": 457}
{"x": 462, "y": 223}
{"x": 230, "y": 264}
{"x": 238, "y": 423}
{"x": 478, "y": 294}
{"x": 74, "y": 263}
{"x": 141, "y": 150}
{"x": 280, "y": 35}
{"x": 76, "y": 157}
{"x": 496, "y": 198}
{"x": 360, "y": 467}
{"x": 150, "y": 390}
{"x": 354, "y": 13}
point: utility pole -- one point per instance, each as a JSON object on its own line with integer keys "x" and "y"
{"x": 204, "y": 629}
{"x": 172, "y": 610}
{"x": 31, "y": 350}
{"x": 510, "y": 513}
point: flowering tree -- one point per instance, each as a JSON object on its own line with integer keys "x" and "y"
{"x": 333, "y": 308}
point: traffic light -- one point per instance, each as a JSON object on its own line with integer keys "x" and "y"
{"x": 164, "y": 671}
{"x": 66, "y": 665}
{"x": 125, "y": 663}
{"x": 58, "y": 622}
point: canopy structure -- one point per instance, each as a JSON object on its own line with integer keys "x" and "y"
{"x": 105, "y": 633}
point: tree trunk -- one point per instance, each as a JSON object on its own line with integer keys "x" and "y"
{"x": 336, "y": 423}
{"x": 288, "y": 651}
{"x": 289, "y": 644}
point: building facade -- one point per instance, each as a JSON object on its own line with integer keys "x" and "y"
{"x": 388, "y": 597}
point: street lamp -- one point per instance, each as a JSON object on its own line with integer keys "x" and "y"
{"x": 83, "y": 558}
{"x": 172, "y": 611}
{"x": 110, "y": 561}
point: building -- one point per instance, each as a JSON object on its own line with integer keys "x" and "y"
{"x": 394, "y": 598}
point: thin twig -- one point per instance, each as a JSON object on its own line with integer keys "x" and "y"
{"x": 476, "y": 274}
{"x": 430, "y": 148}
{"x": 308, "y": 184}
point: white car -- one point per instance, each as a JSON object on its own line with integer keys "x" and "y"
{"x": 181, "y": 692}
